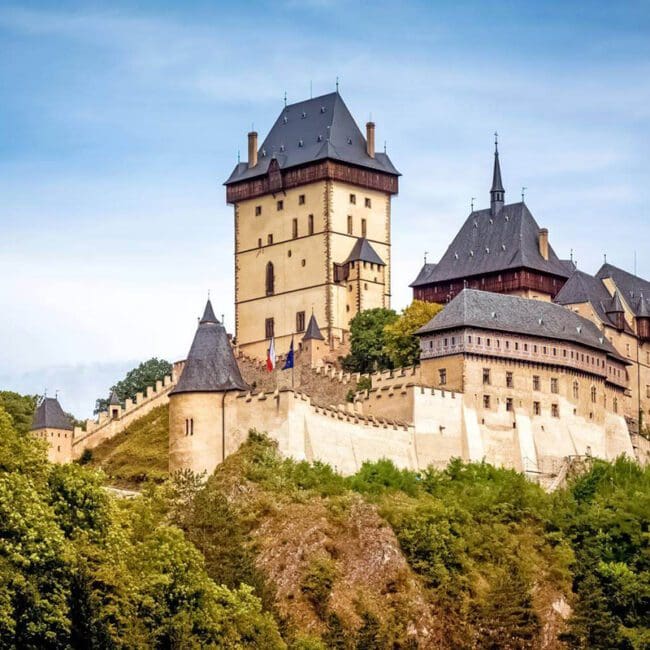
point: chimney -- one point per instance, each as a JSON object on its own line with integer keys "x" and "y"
{"x": 252, "y": 149}
{"x": 370, "y": 139}
{"x": 543, "y": 242}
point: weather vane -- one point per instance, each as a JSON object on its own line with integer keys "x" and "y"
{"x": 523, "y": 193}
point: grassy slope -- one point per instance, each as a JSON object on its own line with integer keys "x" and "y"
{"x": 139, "y": 454}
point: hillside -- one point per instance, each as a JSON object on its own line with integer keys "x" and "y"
{"x": 138, "y": 454}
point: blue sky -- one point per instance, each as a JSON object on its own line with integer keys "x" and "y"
{"x": 120, "y": 122}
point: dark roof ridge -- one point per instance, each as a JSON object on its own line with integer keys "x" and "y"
{"x": 50, "y": 415}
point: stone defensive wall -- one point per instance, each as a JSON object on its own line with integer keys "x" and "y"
{"x": 106, "y": 426}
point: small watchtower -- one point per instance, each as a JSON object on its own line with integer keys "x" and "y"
{"x": 51, "y": 424}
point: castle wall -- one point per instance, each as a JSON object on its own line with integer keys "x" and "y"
{"x": 59, "y": 443}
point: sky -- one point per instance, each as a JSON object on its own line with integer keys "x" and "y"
{"x": 119, "y": 122}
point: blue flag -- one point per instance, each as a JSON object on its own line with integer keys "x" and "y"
{"x": 289, "y": 361}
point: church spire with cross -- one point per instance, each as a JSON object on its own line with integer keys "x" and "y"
{"x": 497, "y": 192}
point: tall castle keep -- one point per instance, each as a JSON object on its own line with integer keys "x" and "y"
{"x": 312, "y": 226}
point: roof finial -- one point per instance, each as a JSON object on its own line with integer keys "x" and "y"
{"x": 604, "y": 258}
{"x": 384, "y": 146}
{"x": 425, "y": 256}
{"x": 238, "y": 156}
{"x": 208, "y": 294}
{"x": 285, "y": 98}
{"x": 471, "y": 203}
{"x": 496, "y": 142}
{"x": 497, "y": 192}
{"x": 337, "y": 84}
{"x": 571, "y": 255}
{"x": 523, "y": 193}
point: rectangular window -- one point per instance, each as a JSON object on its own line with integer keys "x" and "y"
{"x": 516, "y": 345}
{"x": 310, "y": 224}
{"x": 259, "y": 243}
{"x": 279, "y": 205}
{"x": 535, "y": 349}
{"x": 486, "y": 376}
{"x": 300, "y": 321}
{"x": 537, "y": 408}
{"x": 536, "y": 382}
{"x": 301, "y": 199}
{"x": 368, "y": 202}
{"x": 363, "y": 227}
{"x": 525, "y": 347}
{"x": 509, "y": 404}
{"x": 258, "y": 210}
{"x": 555, "y": 387}
{"x": 353, "y": 199}
{"x": 555, "y": 410}
{"x": 294, "y": 228}
{"x": 446, "y": 342}
{"x": 486, "y": 401}
{"x": 487, "y": 342}
{"x": 510, "y": 382}
{"x": 269, "y": 240}
{"x": 349, "y": 224}
{"x": 443, "y": 376}
{"x": 469, "y": 338}
{"x": 269, "y": 328}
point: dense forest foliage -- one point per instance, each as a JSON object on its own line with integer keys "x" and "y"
{"x": 487, "y": 557}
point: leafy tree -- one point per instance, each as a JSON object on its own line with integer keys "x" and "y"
{"x": 367, "y": 340}
{"x": 20, "y": 408}
{"x": 401, "y": 345}
{"x": 136, "y": 381}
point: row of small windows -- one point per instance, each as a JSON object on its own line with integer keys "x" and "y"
{"x": 44, "y": 435}
{"x": 294, "y": 231}
{"x": 487, "y": 342}
{"x": 302, "y": 199}
{"x": 364, "y": 226}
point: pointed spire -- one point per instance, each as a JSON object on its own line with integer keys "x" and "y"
{"x": 313, "y": 331}
{"x": 208, "y": 314}
{"x": 497, "y": 192}
{"x": 211, "y": 365}
{"x": 616, "y": 306}
{"x": 113, "y": 400}
{"x": 643, "y": 311}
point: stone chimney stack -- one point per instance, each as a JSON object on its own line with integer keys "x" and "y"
{"x": 252, "y": 149}
{"x": 543, "y": 242}
{"x": 370, "y": 139}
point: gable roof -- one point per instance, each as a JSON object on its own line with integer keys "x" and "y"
{"x": 630, "y": 286}
{"x": 50, "y": 415}
{"x": 506, "y": 313}
{"x": 211, "y": 365}
{"x": 488, "y": 243}
{"x": 315, "y": 129}
{"x": 582, "y": 288}
{"x": 424, "y": 274}
{"x": 313, "y": 331}
{"x": 364, "y": 252}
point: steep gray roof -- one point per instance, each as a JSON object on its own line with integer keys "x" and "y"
{"x": 50, "y": 415}
{"x": 631, "y": 286}
{"x": 615, "y": 305}
{"x": 497, "y": 183}
{"x": 505, "y": 313}
{"x": 315, "y": 129}
{"x": 643, "y": 308}
{"x": 113, "y": 400}
{"x": 424, "y": 274}
{"x": 489, "y": 244}
{"x": 364, "y": 252}
{"x": 211, "y": 365}
{"x": 313, "y": 331}
{"x": 584, "y": 288}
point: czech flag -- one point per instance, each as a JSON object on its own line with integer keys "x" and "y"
{"x": 270, "y": 356}
{"x": 289, "y": 360}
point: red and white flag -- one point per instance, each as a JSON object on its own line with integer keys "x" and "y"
{"x": 270, "y": 356}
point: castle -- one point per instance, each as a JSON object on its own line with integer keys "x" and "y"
{"x": 531, "y": 363}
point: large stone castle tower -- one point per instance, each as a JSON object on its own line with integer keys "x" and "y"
{"x": 312, "y": 226}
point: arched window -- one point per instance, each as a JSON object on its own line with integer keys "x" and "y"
{"x": 593, "y": 394}
{"x": 270, "y": 279}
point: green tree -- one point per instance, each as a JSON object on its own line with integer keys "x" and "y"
{"x": 367, "y": 340}
{"x": 401, "y": 345}
{"x": 136, "y": 381}
{"x": 20, "y": 408}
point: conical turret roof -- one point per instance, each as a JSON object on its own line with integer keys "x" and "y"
{"x": 211, "y": 365}
{"x": 497, "y": 183}
{"x": 113, "y": 400}
{"x": 643, "y": 310}
{"x": 616, "y": 306}
{"x": 313, "y": 331}
{"x": 50, "y": 415}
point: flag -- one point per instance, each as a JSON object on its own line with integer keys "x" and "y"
{"x": 270, "y": 356}
{"x": 289, "y": 360}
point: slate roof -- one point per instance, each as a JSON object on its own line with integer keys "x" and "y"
{"x": 630, "y": 286}
{"x": 505, "y": 313}
{"x": 364, "y": 252}
{"x": 582, "y": 287}
{"x": 497, "y": 183}
{"x": 113, "y": 400}
{"x": 211, "y": 365}
{"x": 315, "y": 129}
{"x": 424, "y": 274}
{"x": 313, "y": 331}
{"x": 50, "y": 415}
{"x": 489, "y": 244}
